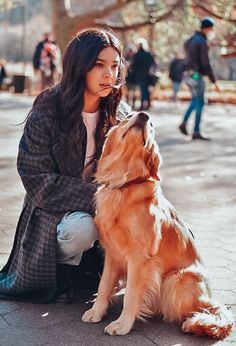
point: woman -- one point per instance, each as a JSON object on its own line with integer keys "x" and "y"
{"x": 62, "y": 139}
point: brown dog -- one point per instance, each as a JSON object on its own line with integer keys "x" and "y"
{"x": 146, "y": 242}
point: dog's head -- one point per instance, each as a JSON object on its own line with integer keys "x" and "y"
{"x": 130, "y": 153}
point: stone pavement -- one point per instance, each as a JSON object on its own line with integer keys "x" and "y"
{"x": 198, "y": 178}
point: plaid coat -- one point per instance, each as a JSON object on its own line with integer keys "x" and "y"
{"x": 52, "y": 189}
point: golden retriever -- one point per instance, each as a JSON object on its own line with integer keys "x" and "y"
{"x": 146, "y": 242}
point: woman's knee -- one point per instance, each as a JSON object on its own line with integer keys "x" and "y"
{"x": 76, "y": 233}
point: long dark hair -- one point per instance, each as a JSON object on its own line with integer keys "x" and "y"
{"x": 80, "y": 57}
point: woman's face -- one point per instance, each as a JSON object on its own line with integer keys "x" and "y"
{"x": 102, "y": 77}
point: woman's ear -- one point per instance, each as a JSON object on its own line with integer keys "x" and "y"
{"x": 153, "y": 162}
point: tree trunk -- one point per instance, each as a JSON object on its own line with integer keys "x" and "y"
{"x": 65, "y": 26}
{"x": 61, "y": 24}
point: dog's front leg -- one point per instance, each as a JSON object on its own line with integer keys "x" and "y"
{"x": 107, "y": 284}
{"x": 132, "y": 301}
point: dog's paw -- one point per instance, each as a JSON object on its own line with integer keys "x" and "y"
{"x": 118, "y": 327}
{"x": 92, "y": 316}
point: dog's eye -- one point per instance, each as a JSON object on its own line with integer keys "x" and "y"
{"x": 129, "y": 116}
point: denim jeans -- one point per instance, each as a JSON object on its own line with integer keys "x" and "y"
{"x": 197, "y": 88}
{"x": 145, "y": 93}
{"x": 176, "y": 87}
{"x": 76, "y": 233}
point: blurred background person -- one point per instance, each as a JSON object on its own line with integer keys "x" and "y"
{"x": 46, "y": 59}
{"x": 142, "y": 63}
{"x": 38, "y": 51}
{"x": 176, "y": 70}
{"x": 130, "y": 76}
{"x": 3, "y": 73}
{"x": 49, "y": 62}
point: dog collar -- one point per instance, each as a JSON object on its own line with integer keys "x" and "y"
{"x": 134, "y": 182}
{"x": 139, "y": 180}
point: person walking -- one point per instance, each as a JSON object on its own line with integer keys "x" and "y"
{"x": 62, "y": 140}
{"x": 175, "y": 73}
{"x": 197, "y": 66}
{"x": 46, "y": 59}
{"x": 143, "y": 61}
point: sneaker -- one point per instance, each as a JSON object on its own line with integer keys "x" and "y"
{"x": 183, "y": 129}
{"x": 197, "y": 135}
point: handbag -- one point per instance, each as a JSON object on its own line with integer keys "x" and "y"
{"x": 153, "y": 76}
{"x": 153, "y": 79}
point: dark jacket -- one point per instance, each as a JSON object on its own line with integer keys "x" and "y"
{"x": 3, "y": 73}
{"x": 37, "y": 54}
{"x": 142, "y": 62}
{"x": 197, "y": 55}
{"x": 52, "y": 189}
{"x": 176, "y": 70}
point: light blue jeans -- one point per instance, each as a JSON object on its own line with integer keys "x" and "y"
{"x": 76, "y": 233}
{"x": 197, "y": 88}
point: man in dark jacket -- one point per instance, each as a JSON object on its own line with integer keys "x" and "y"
{"x": 142, "y": 63}
{"x": 197, "y": 66}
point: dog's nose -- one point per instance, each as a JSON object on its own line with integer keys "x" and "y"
{"x": 143, "y": 116}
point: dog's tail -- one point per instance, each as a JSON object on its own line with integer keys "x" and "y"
{"x": 215, "y": 321}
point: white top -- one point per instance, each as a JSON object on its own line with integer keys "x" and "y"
{"x": 90, "y": 121}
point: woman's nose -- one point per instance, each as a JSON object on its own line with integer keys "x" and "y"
{"x": 108, "y": 72}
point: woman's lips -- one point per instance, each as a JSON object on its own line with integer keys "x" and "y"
{"x": 105, "y": 85}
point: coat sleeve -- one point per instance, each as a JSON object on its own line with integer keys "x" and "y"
{"x": 205, "y": 63}
{"x": 47, "y": 188}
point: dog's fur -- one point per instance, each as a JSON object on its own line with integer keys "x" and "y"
{"x": 146, "y": 242}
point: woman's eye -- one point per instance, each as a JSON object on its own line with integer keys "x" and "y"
{"x": 98, "y": 64}
{"x": 114, "y": 66}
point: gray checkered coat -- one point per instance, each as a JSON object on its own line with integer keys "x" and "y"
{"x": 51, "y": 191}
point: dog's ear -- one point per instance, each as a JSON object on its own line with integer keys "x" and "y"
{"x": 153, "y": 162}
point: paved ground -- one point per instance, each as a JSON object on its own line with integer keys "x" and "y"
{"x": 198, "y": 178}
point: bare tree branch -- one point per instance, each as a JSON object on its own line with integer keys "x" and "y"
{"x": 211, "y": 12}
{"x": 93, "y": 15}
{"x": 135, "y": 26}
{"x": 66, "y": 24}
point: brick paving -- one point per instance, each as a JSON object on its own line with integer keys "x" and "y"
{"x": 198, "y": 178}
